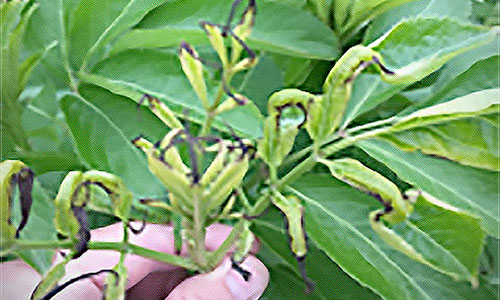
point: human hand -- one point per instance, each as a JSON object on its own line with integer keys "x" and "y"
{"x": 147, "y": 279}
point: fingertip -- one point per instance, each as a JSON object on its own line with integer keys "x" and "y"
{"x": 225, "y": 283}
{"x": 217, "y": 234}
{"x": 250, "y": 288}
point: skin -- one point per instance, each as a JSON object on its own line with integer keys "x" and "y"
{"x": 148, "y": 279}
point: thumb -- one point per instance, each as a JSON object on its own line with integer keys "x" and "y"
{"x": 225, "y": 283}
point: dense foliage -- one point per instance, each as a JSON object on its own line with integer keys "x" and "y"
{"x": 371, "y": 125}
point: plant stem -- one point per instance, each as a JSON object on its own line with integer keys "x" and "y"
{"x": 299, "y": 154}
{"x": 350, "y": 140}
{"x": 31, "y": 245}
{"x": 117, "y": 246}
{"x": 388, "y": 121}
{"x": 298, "y": 171}
{"x": 207, "y": 124}
{"x": 64, "y": 50}
{"x": 218, "y": 97}
{"x": 196, "y": 233}
{"x": 309, "y": 162}
{"x": 218, "y": 255}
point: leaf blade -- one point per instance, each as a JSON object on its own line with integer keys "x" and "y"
{"x": 158, "y": 73}
{"x": 469, "y": 189}
{"x": 292, "y": 31}
{"x": 104, "y": 146}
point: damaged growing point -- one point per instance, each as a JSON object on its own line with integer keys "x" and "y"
{"x": 216, "y": 34}
{"x": 15, "y": 178}
{"x": 193, "y": 144}
{"x": 140, "y": 229}
{"x": 244, "y": 273}
{"x": 293, "y": 213}
{"x": 83, "y": 235}
{"x": 245, "y": 146}
{"x": 365, "y": 64}
{"x": 300, "y": 258}
{"x": 24, "y": 180}
{"x": 281, "y": 108}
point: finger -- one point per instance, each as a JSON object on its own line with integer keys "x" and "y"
{"x": 225, "y": 283}
{"x": 155, "y": 237}
{"x": 217, "y": 233}
{"x": 156, "y": 285}
{"x": 17, "y": 280}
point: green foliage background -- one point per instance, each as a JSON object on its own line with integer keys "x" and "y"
{"x": 78, "y": 110}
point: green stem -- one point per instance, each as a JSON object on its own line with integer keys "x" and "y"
{"x": 33, "y": 245}
{"x": 350, "y": 140}
{"x": 125, "y": 233}
{"x": 306, "y": 165}
{"x": 64, "y": 51}
{"x": 388, "y": 121}
{"x": 297, "y": 156}
{"x": 218, "y": 97}
{"x": 243, "y": 198}
{"x": 216, "y": 256}
{"x": 197, "y": 233}
{"x": 207, "y": 124}
{"x": 298, "y": 171}
{"x": 17, "y": 134}
{"x": 300, "y": 154}
{"x": 117, "y": 246}
{"x": 182, "y": 262}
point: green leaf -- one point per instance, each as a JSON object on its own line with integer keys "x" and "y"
{"x": 94, "y": 23}
{"x": 458, "y": 234}
{"x": 46, "y": 161}
{"x": 133, "y": 120}
{"x": 434, "y": 42}
{"x": 10, "y": 13}
{"x": 468, "y": 189}
{"x": 490, "y": 260}
{"x": 482, "y": 75}
{"x": 458, "y": 10}
{"x": 31, "y": 62}
{"x": 464, "y": 130}
{"x": 39, "y": 228}
{"x": 465, "y": 62}
{"x": 286, "y": 283}
{"x": 369, "y": 90}
{"x": 10, "y": 54}
{"x": 11, "y": 78}
{"x": 158, "y": 73}
{"x": 361, "y": 11}
{"x": 295, "y": 70}
{"x": 474, "y": 104}
{"x": 469, "y": 141}
{"x": 46, "y": 26}
{"x": 262, "y": 81}
{"x": 131, "y": 14}
{"x": 291, "y": 31}
{"x": 338, "y": 235}
{"x": 441, "y": 286}
{"x": 104, "y": 147}
{"x": 333, "y": 209}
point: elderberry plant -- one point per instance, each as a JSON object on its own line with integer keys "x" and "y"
{"x": 390, "y": 199}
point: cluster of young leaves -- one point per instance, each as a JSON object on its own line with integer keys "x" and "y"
{"x": 435, "y": 129}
